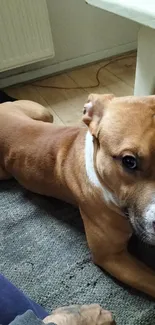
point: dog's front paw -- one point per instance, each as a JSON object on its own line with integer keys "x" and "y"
{"x": 80, "y": 315}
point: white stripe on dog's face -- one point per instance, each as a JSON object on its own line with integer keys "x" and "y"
{"x": 89, "y": 153}
{"x": 149, "y": 218}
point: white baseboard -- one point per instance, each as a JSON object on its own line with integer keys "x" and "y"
{"x": 66, "y": 65}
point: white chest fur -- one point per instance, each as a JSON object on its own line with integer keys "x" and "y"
{"x": 90, "y": 170}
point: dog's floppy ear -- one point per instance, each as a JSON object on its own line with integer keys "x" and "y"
{"x": 94, "y": 109}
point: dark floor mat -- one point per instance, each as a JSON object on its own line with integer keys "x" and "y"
{"x": 44, "y": 252}
{"x": 5, "y": 98}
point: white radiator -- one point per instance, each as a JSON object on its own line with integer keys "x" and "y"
{"x": 25, "y": 33}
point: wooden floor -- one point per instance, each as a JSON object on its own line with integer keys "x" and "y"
{"x": 66, "y": 105}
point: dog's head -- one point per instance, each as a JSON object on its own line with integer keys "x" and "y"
{"x": 124, "y": 133}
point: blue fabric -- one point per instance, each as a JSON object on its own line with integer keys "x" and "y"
{"x": 13, "y": 302}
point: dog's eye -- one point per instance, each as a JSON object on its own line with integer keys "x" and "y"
{"x": 129, "y": 162}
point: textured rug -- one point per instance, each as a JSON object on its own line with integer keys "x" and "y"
{"x": 43, "y": 251}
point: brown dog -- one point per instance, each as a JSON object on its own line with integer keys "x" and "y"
{"x": 107, "y": 170}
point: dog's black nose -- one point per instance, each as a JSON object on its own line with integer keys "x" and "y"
{"x": 153, "y": 224}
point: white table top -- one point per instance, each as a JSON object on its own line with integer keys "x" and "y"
{"x": 141, "y": 11}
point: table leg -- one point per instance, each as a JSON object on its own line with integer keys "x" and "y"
{"x": 145, "y": 70}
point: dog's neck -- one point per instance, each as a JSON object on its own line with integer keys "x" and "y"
{"x": 91, "y": 173}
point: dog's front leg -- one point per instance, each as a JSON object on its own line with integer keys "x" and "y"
{"x": 116, "y": 260}
{"x": 129, "y": 270}
{"x": 4, "y": 175}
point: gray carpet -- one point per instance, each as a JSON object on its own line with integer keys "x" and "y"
{"x": 43, "y": 251}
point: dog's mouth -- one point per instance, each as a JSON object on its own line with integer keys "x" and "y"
{"x": 140, "y": 227}
{"x": 126, "y": 212}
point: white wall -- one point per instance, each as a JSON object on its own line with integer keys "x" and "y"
{"x": 80, "y": 29}
{"x": 81, "y": 34}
